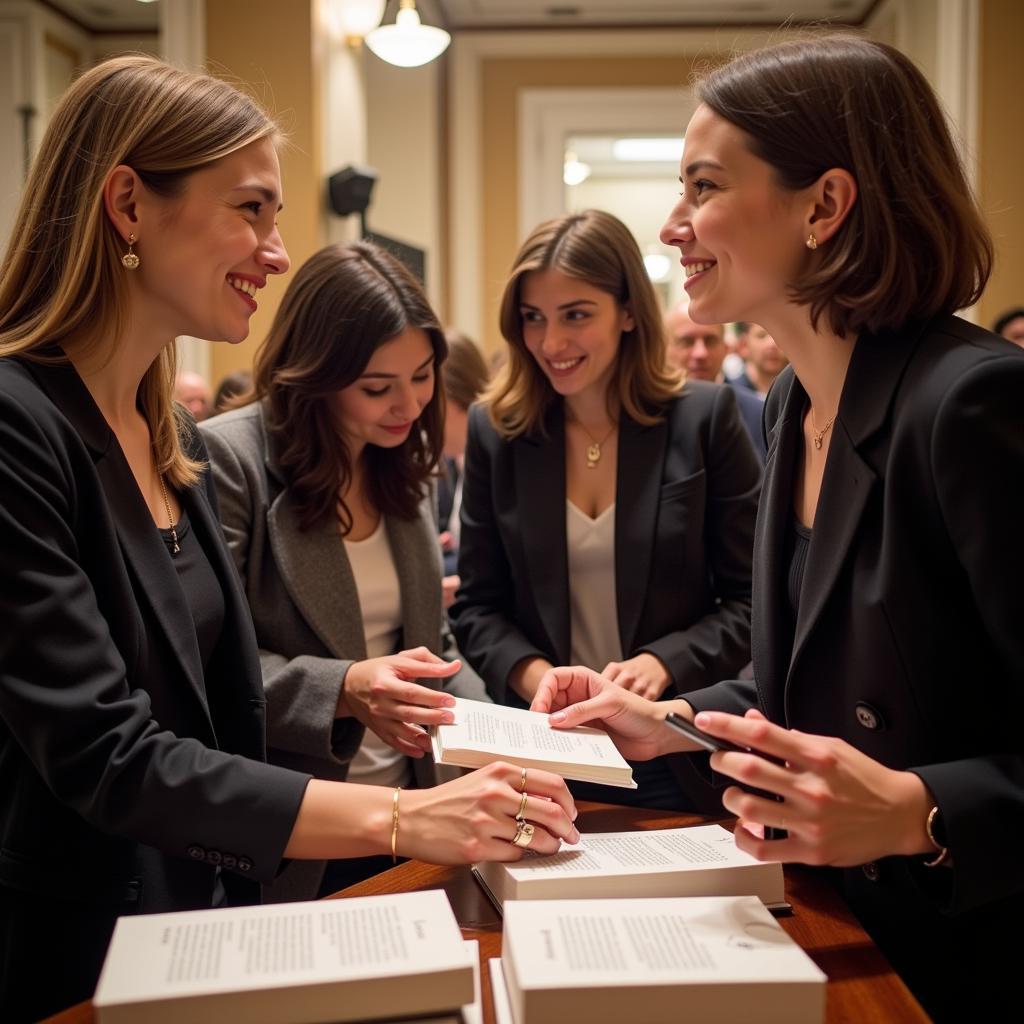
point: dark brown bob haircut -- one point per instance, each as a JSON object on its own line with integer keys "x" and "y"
{"x": 914, "y": 244}
{"x": 342, "y": 305}
{"x": 595, "y": 247}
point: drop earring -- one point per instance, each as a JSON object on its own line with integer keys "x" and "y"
{"x": 812, "y": 242}
{"x": 129, "y": 259}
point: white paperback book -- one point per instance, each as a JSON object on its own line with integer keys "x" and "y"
{"x": 702, "y": 959}
{"x": 482, "y": 733}
{"x": 360, "y": 959}
{"x": 702, "y": 860}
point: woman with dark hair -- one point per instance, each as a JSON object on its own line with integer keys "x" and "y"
{"x": 132, "y": 745}
{"x": 608, "y": 507}
{"x": 323, "y": 480}
{"x": 824, "y": 199}
{"x": 465, "y": 378}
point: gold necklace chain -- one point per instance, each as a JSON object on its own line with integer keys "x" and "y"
{"x": 819, "y": 435}
{"x": 593, "y": 451}
{"x": 170, "y": 518}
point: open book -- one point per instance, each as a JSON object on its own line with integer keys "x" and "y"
{"x": 702, "y": 860}
{"x": 482, "y": 733}
{"x": 702, "y": 960}
{"x": 365, "y": 958}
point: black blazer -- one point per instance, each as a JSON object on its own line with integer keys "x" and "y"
{"x": 686, "y": 495}
{"x": 908, "y": 642}
{"x": 125, "y": 776}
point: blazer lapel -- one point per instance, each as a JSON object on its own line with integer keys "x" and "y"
{"x": 418, "y": 579}
{"x": 540, "y": 494}
{"x": 641, "y": 460}
{"x": 876, "y": 369}
{"x": 770, "y": 640}
{"x": 143, "y": 548}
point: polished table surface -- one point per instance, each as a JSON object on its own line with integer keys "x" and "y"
{"x": 861, "y": 984}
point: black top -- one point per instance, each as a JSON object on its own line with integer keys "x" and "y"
{"x": 798, "y": 543}
{"x": 200, "y": 588}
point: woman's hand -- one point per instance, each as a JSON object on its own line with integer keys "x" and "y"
{"x": 579, "y": 696}
{"x": 644, "y": 675}
{"x": 838, "y": 805}
{"x": 380, "y": 693}
{"x": 473, "y": 818}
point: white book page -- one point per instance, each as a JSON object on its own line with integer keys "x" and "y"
{"x": 249, "y": 948}
{"x": 499, "y": 993}
{"x": 697, "y": 848}
{"x": 567, "y": 943}
{"x": 512, "y": 732}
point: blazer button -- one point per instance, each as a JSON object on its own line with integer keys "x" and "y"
{"x": 213, "y": 857}
{"x": 196, "y": 852}
{"x": 871, "y": 872}
{"x": 869, "y": 717}
{"x": 229, "y": 861}
{"x": 244, "y": 864}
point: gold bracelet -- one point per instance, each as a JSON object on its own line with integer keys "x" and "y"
{"x": 394, "y": 825}
{"x": 929, "y": 824}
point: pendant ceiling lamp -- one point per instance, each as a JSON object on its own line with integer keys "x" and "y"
{"x": 408, "y": 43}
{"x": 353, "y": 19}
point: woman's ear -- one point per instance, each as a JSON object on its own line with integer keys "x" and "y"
{"x": 833, "y": 195}
{"x": 628, "y": 323}
{"x": 121, "y": 201}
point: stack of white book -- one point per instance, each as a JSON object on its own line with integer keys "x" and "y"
{"x": 702, "y": 960}
{"x": 702, "y": 860}
{"x": 361, "y": 959}
{"x": 482, "y": 733}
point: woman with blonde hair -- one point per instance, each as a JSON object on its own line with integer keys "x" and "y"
{"x": 132, "y": 774}
{"x": 824, "y": 199}
{"x": 608, "y": 508}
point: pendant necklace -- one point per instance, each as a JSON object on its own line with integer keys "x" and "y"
{"x": 170, "y": 518}
{"x": 819, "y": 435}
{"x": 593, "y": 450}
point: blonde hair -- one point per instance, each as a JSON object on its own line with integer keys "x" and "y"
{"x": 62, "y": 276}
{"x": 595, "y": 247}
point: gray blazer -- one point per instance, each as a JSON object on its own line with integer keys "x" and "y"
{"x": 305, "y": 608}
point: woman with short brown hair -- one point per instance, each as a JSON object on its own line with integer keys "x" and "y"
{"x": 823, "y": 199}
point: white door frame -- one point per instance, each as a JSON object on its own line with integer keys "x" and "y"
{"x": 547, "y": 117}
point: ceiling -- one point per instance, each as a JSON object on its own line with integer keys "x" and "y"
{"x": 128, "y": 15}
{"x": 489, "y": 14}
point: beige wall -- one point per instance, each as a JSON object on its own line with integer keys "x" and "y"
{"x": 501, "y": 81}
{"x": 275, "y": 55}
{"x": 1001, "y": 151}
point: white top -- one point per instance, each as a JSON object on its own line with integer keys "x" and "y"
{"x": 380, "y": 600}
{"x": 593, "y": 613}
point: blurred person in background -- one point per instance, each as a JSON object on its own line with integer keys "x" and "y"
{"x": 192, "y": 391}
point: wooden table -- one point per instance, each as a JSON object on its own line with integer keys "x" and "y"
{"x": 861, "y": 984}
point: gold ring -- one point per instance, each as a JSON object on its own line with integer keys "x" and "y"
{"x": 524, "y": 834}
{"x": 522, "y": 787}
{"x": 521, "y": 813}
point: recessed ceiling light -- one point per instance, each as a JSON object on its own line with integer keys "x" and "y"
{"x": 639, "y": 150}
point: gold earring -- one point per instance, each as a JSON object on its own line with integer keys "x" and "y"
{"x": 812, "y": 242}
{"x": 129, "y": 259}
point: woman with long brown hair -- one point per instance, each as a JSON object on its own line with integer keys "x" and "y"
{"x": 608, "y": 507}
{"x": 132, "y": 772}
{"x": 324, "y": 478}
{"x": 823, "y": 198}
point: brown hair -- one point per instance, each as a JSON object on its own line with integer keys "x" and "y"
{"x": 465, "y": 372}
{"x": 595, "y": 247}
{"x": 342, "y": 305}
{"x": 63, "y": 283}
{"x": 914, "y": 244}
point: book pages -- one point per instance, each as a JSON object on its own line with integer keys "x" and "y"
{"x": 482, "y": 733}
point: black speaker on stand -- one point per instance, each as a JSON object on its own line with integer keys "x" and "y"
{"x": 350, "y": 191}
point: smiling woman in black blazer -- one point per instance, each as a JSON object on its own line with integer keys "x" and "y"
{"x": 608, "y": 509}
{"x": 131, "y": 712}
{"x": 824, "y": 199}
